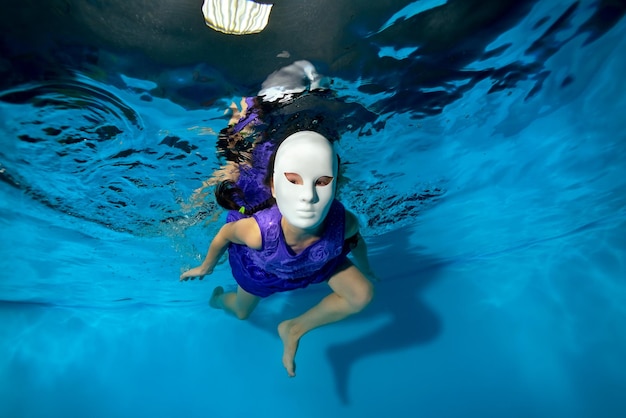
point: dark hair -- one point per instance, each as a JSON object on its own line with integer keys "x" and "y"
{"x": 230, "y": 196}
{"x": 271, "y": 120}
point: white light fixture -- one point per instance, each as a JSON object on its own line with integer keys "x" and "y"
{"x": 236, "y": 17}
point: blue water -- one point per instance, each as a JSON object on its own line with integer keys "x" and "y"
{"x": 487, "y": 167}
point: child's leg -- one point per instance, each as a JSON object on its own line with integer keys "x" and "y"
{"x": 240, "y": 304}
{"x": 351, "y": 293}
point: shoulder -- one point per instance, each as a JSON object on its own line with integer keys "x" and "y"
{"x": 246, "y": 232}
{"x": 352, "y": 225}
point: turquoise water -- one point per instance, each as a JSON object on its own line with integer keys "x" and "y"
{"x": 495, "y": 214}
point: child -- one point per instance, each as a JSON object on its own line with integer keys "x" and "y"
{"x": 302, "y": 239}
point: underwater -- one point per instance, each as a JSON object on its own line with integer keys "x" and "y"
{"x": 483, "y": 152}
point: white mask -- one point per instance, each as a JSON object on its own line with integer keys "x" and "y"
{"x": 305, "y": 171}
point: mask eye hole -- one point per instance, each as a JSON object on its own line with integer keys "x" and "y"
{"x": 324, "y": 181}
{"x": 293, "y": 178}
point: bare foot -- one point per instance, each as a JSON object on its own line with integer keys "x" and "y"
{"x": 290, "y": 346}
{"x": 217, "y": 292}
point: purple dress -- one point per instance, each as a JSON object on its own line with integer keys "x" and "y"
{"x": 275, "y": 267}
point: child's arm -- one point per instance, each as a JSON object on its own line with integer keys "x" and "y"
{"x": 359, "y": 251}
{"x": 244, "y": 232}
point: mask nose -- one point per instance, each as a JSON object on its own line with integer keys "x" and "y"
{"x": 308, "y": 194}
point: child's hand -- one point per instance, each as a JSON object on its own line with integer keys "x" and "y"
{"x": 198, "y": 272}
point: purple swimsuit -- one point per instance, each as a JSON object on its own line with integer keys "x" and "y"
{"x": 275, "y": 267}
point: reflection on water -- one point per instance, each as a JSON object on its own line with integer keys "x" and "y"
{"x": 483, "y": 153}
{"x": 125, "y": 168}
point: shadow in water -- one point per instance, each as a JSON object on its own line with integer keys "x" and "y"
{"x": 404, "y": 275}
{"x": 412, "y": 323}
